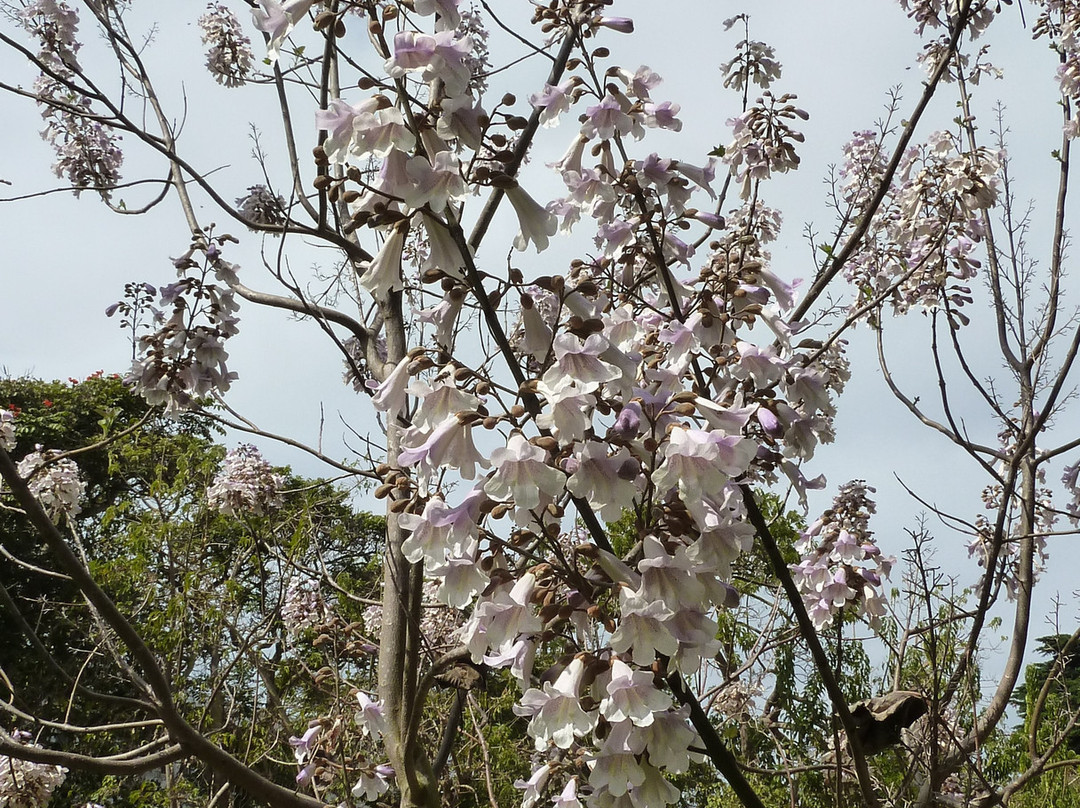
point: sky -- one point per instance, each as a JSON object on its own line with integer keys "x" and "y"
{"x": 67, "y": 259}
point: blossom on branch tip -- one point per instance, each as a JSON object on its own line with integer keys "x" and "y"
{"x": 229, "y": 58}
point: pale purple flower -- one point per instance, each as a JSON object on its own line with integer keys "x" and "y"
{"x": 229, "y": 58}
{"x": 534, "y": 786}
{"x": 450, "y": 444}
{"x": 443, "y": 56}
{"x": 337, "y": 121}
{"x": 435, "y": 183}
{"x": 624, "y": 25}
{"x": 580, "y": 362}
{"x": 606, "y": 118}
{"x": 552, "y": 101}
{"x": 371, "y": 718}
{"x": 442, "y": 529}
{"x": 663, "y": 116}
{"x": 277, "y": 19}
{"x": 304, "y": 746}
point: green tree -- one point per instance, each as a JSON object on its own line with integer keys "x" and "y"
{"x": 207, "y": 591}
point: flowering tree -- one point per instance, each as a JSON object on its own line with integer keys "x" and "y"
{"x": 572, "y": 461}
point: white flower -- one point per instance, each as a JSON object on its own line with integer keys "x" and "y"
{"x": 534, "y": 786}
{"x": 535, "y": 222}
{"x": 522, "y": 473}
{"x": 24, "y": 784}
{"x": 371, "y": 718}
{"x": 632, "y": 696}
{"x": 556, "y": 710}
{"x": 373, "y": 783}
{"x": 383, "y": 274}
{"x": 568, "y": 797}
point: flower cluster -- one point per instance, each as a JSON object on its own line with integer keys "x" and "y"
{"x": 303, "y": 606}
{"x": 7, "y": 430}
{"x": 246, "y": 484}
{"x": 56, "y": 484}
{"x": 185, "y": 357}
{"x": 87, "y": 152}
{"x": 262, "y": 206}
{"x": 754, "y": 62}
{"x": 763, "y": 140}
{"x": 841, "y": 565}
{"x": 1005, "y": 550}
{"x": 229, "y": 58}
{"x": 1071, "y": 480}
{"x": 24, "y": 784}
{"x": 919, "y": 249}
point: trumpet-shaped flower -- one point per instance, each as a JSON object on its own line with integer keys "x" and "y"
{"x": 535, "y": 223}
{"x": 632, "y": 696}
{"x": 371, "y": 718}
{"x": 556, "y": 711}
{"x": 277, "y": 20}
{"x": 642, "y": 627}
{"x": 552, "y": 101}
{"x": 434, "y": 183}
{"x": 449, "y": 444}
{"x": 606, "y": 482}
{"x": 383, "y": 274}
{"x": 522, "y": 473}
{"x": 442, "y": 529}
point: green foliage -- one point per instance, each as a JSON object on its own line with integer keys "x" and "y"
{"x": 204, "y": 591}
